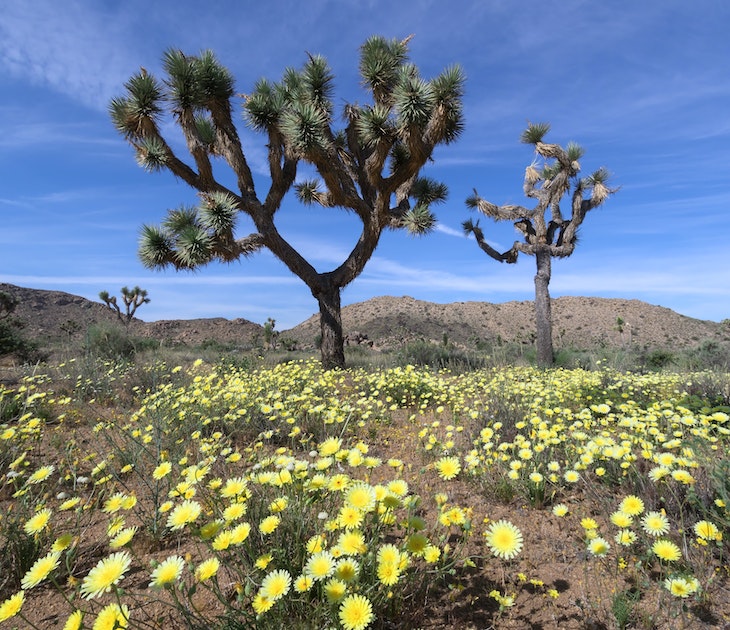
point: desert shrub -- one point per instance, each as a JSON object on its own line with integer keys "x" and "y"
{"x": 707, "y": 355}
{"x": 13, "y": 342}
{"x": 658, "y": 359}
{"x": 112, "y": 342}
{"x": 426, "y": 353}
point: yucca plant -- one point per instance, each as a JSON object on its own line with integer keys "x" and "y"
{"x": 371, "y": 167}
{"x": 547, "y": 233}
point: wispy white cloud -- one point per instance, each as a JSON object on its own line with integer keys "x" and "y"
{"x": 445, "y": 229}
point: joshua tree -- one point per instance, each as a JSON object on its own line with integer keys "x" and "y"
{"x": 270, "y": 335}
{"x": 546, "y": 232}
{"x": 133, "y": 299}
{"x": 371, "y": 167}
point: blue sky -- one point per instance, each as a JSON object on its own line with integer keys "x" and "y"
{"x": 644, "y": 87}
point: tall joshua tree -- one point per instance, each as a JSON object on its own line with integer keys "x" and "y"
{"x": 370, "y": 167}
{"x": 547, "y": 233}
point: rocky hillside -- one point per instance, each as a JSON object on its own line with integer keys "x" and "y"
{"x": 55, "y": 318}
{"x": 578, "y": 321}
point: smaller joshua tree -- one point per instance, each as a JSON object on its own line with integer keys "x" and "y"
{"x": 545, "y": 236}
{"x": 132, "y": 299}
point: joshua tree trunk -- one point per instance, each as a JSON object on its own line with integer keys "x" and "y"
{"x": 330, "y": 321}
{"x": 543, "y": 317}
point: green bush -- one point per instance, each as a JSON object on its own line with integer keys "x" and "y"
{"x": 12, "y": 342}
{"x": 110, "y": 342}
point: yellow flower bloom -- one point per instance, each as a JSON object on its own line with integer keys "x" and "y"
{"x": 352, "y": 543}
{"x": 349, "y": 517}
{"x": 41, "y": 474}
{"x": 222, "y": 540}
{"x": 448, "y": 467}
{"x": 114, "y": 503}
{"x": 356, "y": 612}
{"x": 11, "y": 606}
{"x": 625, "y": 537}
{"x": 338, "y": 482}
{"x": 62, "y": 543}
{"x": 598, "y": 546}
{"x": 335, "y": 590}
{"x": 74, "y": 621}
{"x": 388, "y": 573}
{"x": 621, "y": 519}
{"x": 276, "y": 584}
{"x": 269, "y": 524}
{"x": 504, "y": 539}
{"x": 560, "y": 509}
{"x": 655, "y": 523}
{"x": 40, "y": 570}
{"x": 122, "y": 538}
{"x": 261, "y": 604}
{"x": 330, "y": 446}
{"x": 279, "y": 505}
{"x": 234, "y": 487}
{"x": 167, "y": 572}
{"x": 631, "y": 505}
{"x": 234, "y": 512}
{"x": 162, "y": 470}
{"x": 112, "y": 617}
{"x": 347, "y": 570}
{"x": 361, "y": 496}
{"x": 320, "y": 565}
{"x": 107, "y": 573}
{"x": 183, "y": 514}
{"x": 69, "y": 503}
{"x": 240, "y": 533}
{"x": 263, "y": 561}
{"x": 431, "y": 554}
{"x": 207, "y": 569}
{"x": 681, "y": 587}
{"x": 666, "y": 550}
{"x": 707, "y": 531}
{"x": 38, "y": 522}
{"x": 303, "y": 583}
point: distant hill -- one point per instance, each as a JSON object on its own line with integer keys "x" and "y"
{"x": 579, "y": 321}
{"x": 56, "y": 318}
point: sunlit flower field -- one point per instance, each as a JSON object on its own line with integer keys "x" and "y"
{"x": 292, "y": 497}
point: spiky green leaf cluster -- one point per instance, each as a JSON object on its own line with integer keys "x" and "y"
{"x": 380, "y": 60}
{"x": 194, "y": 82}
{"x": 218, "y": 213}
{"x": 299, "y": 107}
{"x": 374, "y": 124}
{"x": 308, "y": 191}
{"x": 305, "y": 126}
{"x": 188, "y": 236}
{"x": 132, "y": 114}
{"x": 534, "y": 133}
{"x": 419, "y": 220}
{"x": 469, "y": 226}
{"x": 205, "y": 128}
{"x": 574, "y": 151}
{"x": 151, "y": 154}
